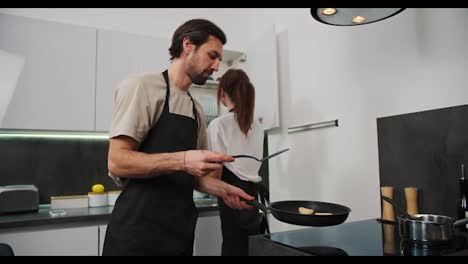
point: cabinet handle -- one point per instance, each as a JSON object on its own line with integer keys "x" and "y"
{"x": 312, "y": 126}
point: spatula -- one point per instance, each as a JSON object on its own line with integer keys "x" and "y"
{"x": 261, "y": 160}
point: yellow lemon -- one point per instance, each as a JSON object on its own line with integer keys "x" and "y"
{"x": 98, "y": 188}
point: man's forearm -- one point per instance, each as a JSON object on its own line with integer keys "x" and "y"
{"x": 133, "y": 164}
{"x": 210, "y": 185}
{"x": 232, "y": 195}
{"x": 216, "y": 174}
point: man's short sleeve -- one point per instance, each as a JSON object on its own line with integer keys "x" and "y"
{"x": 131, "y": 111}
{"x": 202, "y": 135}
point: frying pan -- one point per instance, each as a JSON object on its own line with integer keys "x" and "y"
{"x": 287, "y": 211}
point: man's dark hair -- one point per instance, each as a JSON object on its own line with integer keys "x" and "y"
{"x": 198, "y": 31}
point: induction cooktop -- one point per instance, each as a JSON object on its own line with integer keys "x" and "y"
{"x": 364, "y": 238}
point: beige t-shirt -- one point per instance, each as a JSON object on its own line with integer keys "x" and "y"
{"x": 139, "y": 102}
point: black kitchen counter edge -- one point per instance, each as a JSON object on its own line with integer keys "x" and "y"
{"x": 205, "y": 207}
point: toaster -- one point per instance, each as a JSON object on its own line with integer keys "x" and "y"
{"x": 19, "y": 199}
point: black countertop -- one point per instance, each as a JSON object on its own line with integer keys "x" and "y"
{"x": 81, "y": 215}
{"x": 360, "y": 238}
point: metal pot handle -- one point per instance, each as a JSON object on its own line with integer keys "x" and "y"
{"x": 398, "y": 208}
{"x": 460, "y": 222}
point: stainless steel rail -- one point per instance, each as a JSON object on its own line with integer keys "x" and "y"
{"x": 312, "y": 126}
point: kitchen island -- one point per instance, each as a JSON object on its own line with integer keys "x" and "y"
{"x": 360, "y": 238}
{"x": 80, "y": 232}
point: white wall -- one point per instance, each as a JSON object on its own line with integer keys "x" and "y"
{"x": 411, "y": 62}
{"x": 414, "y": 61}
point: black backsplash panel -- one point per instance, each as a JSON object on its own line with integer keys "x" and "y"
{"x": 425, "y": 150}
{"x": 55, "y": 166}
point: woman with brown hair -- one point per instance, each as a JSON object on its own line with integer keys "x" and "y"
{"x": 237, "y": 132}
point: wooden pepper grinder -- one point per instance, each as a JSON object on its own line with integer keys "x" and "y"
{"x": 411, "y": 194}
{"x": 389, "y": 246}
{"x": 388, "y": 213}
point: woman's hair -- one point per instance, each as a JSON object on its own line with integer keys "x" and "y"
{"x": 240, "y": 90}
{"x": 198, "y": 31}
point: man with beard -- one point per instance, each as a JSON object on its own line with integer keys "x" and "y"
{"x": 156, "y": 130}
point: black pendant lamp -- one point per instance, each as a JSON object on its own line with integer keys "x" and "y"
{"x": 352, "y": 16}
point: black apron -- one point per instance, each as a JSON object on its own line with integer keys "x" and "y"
{"x": 238, "y": 225}
{"x": 157, "y": 216}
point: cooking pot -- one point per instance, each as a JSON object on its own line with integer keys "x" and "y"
{"x": 428, "y": 228}
{"x": 425, "y": 228}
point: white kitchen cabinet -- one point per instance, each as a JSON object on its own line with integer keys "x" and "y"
{"x": 88, "y": 240}
{"x": 259, "y": 61}
{"x": 208, "y": 236}
{"x": 206, "y": 94}
{"x": 102, "y": 236}
{"x": 56, "y": 87}
{"x": 262, "y": 68}
{"x": 120, "y": 55}
{"x": 70, "y": 72}
{"x": 50, "y": 241}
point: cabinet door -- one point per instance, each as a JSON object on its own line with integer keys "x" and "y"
{"x": 261, "y": 67}
{"x": 208, "y": 237}
{"x": 102, "y": 236}
{"x": 119, "y": 55}
{"x": 73, "y": 241}
{"x": 55, "y": 89}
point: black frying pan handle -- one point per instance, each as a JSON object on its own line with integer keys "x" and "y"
{"x": 256, "y": 204}
{"x": 264, "y": 209}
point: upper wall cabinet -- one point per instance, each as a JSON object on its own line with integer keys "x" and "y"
{"x": 262, "y": 68}
{"x": 70, "y": 73}
{"x": 260, "y": 63}
{"x": 56, "y": 87}
{"x": 120, "y": 55}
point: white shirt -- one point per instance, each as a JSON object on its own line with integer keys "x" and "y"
{"x": 225, "y": 136}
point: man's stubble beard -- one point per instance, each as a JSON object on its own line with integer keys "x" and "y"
{"x": 197, "y": 78}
